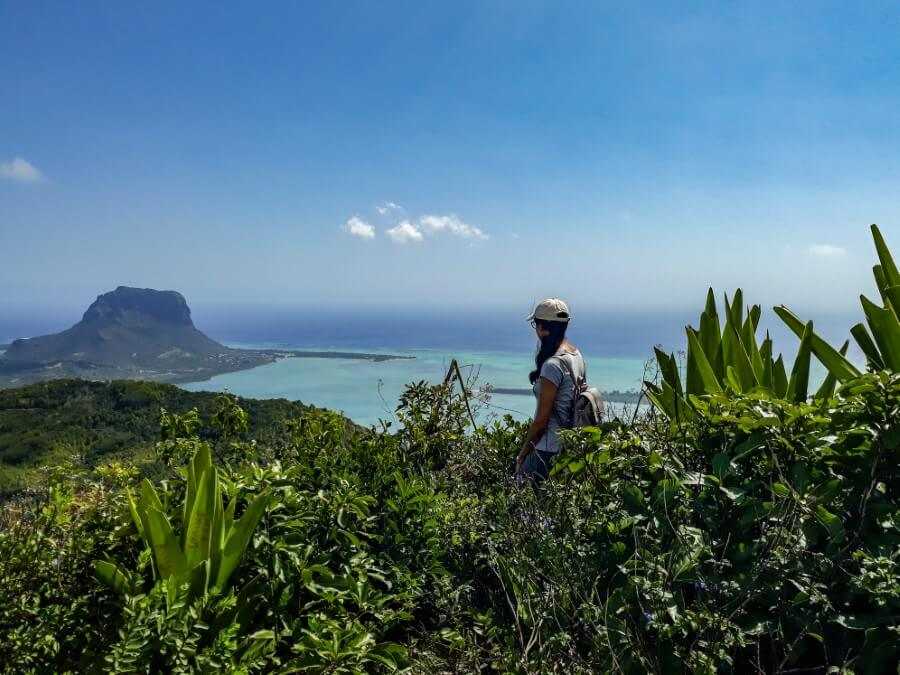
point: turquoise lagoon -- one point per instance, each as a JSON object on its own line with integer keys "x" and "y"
{"x": 368, "y": 391}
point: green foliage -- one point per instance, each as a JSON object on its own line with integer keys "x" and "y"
{"x": 881, "y": 341}
{"x": 728, "y": 358}
{"x": 46, "y": 424}
{"x": 762, "y": 534}
{"x": 54, "y": 615}
{"x": 211, "y": 544}
{"x": 229, "y": 418}
{"x": 751, "y": 527}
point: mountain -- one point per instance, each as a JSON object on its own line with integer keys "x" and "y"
{"x": 125, "y": 328}
{"x": 138, "y": 334}
{"x": 128, "y": 333}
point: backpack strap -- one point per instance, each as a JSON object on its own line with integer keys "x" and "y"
{"x": 577, "y": 385}
{"x": 576, "y": 381}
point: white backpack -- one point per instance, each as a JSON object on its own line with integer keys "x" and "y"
{"x": 587, "y": 408}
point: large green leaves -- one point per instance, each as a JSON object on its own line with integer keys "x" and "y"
{"x": 888, "y": 267}
{"x": 198, "y": 532}
{"x": 700, "y": 363}
{"x": 169, "y": 557}
{"x": 726, "y": 358}
{"x": 211, "y": 545}
{"x": 109, "y": 573}
{"x": 799, "y": 382}
{"x": 831, "y": 358}
{"x": 238, "y": 537}
{"x": 885, "y": 330}
{"x": 881, "y": 341}
{"x": 826, "y": 391}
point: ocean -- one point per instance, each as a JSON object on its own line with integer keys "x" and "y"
{"x": 368, "y": 391}
{"x": 498, "y": 348}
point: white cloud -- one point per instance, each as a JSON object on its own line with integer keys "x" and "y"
{"x": 405, "y": 232}
{"x": 357, "y": 227}
{"x": 827, "y": 251}
{"x": 387, "y": 207}
{"x": 452, "y": 224}
{"x": 21, "y": 170}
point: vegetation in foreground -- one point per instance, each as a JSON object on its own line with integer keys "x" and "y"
{"x": 745, "y": 525}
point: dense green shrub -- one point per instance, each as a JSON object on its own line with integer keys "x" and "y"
{"x": 763, "y": 535}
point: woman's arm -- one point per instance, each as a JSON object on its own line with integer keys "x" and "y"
{"x": 541, "y": 419}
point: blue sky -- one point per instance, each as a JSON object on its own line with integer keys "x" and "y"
{"x": 622, "y": 155}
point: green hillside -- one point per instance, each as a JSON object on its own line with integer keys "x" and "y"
{"x": 56, "y": 421}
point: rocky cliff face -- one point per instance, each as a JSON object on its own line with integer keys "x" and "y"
{"x": 127, "y": 327}
{"x": 125, "y": 305}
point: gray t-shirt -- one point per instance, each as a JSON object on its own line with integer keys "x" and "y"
{"x": 554, "y": 370}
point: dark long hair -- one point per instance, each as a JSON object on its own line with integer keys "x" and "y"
{"x": 549, "y": 344}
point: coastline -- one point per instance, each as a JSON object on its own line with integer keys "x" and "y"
{"x": 13, "y": 374}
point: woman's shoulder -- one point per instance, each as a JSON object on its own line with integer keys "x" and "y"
{"x": 553, "y": 368}
{"x": 568, "y": 350}
{"x": 574, "y": 355}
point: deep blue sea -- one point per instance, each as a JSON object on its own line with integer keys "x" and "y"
{"x": 498, "y": 347}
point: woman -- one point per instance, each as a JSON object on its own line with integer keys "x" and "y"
{"x": 557, "y": 364}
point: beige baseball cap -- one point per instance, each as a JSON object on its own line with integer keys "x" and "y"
{"x": 551, "y": 309}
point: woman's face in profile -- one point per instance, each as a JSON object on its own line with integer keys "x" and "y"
{"x": 540, "y": 330}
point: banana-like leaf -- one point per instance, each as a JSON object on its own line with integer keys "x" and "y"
{"x": 755, "y": 313}
{"x": 112, "y": 576}
{"x": 779, "y": 377}
{"x": 171, "y": 584}
{"x": 655, "y": 394}
{"x": 735, "y": 357}
{"x": 832, "y": 359}
{"x": 683, "y": 410}
{"x": 149, "y": 497}
{"x": 748, "y": 337}
{"x": 701, "y": 366}
{"x": 711, "y": 337}
{"x": 891, "y": 298}
{"x": 198, "y": 529}
{"x": 891, "y": 274}
{"x": 190, "y": 493}
{"x": 711, "y": 303}
{"x": 733, "y": 380}
{"x": 217, "y": 535}
{"x": 170, "y": 560}
{"x": 149, "y": 500}
{"x": 880, "y": 281}
{"x": 798, "y": 386}
{"x": 228, "y": 519}
{"x": 664, "y": 398}
{"x": 828, "y": 386}
{"x": 864, "y": 340}
{"x": 135, "y": 516}
{"x": 198, "y": 467}
{"x": 202, "y": 459}
{"x": 668, "y": 368}
{"x": 765, "y": 355}
{"x": 693, "y": 384}
{"x": 213, "y": 542}
{"x": 886, "y": 331}
{"x": 198, "y": 578}
{"x": 746, "y": 333}
{"x": 239, "y": 537}
{"x": 735, "y": 310}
